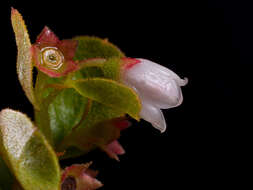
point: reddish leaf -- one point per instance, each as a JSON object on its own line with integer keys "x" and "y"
{"x": 68, "y": 48}
{"x": 47, "y": 37}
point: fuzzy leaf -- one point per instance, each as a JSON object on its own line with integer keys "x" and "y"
{"x": 65, "y": 112}
{"x": 45, "y": 95}
{"x": 99, "y": 113}
{"x": 110, "y": 93}
{"x": 96, "y": 130}
{"x": 27, "y": 152}
{"x": 93, "y": 47}
{"x": 24, "y": 58}
{"x": 61, "y": 109}
{"x": 91, "y": 72}
{"x": 111, "y": 69}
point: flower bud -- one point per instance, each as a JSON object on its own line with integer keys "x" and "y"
{"x": 157, "y": 87}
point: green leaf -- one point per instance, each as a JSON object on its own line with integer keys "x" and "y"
{"x": 45, "y": 94}
{"x": 91, "y": 72}
{"x": 61, "y": 109}
{"x": 93, "y": 47}
{"x": 89, "y": 68}
{"x": 6, "y": 178}
{"x": 71, "y": 152}
{"x": 95, "y": 131}
{"x": 27, "y": 153}
{"x": 110, "y": 93}
{"x": 65, "y": 112}
{"x": 45, "y": 86}
{"x": 99, "y": 113}
{"x": 111, "y": 69}
{"x": 24, "y": 58}
{"x": 102, "y": 68}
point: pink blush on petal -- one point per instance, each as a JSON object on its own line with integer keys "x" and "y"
{"x": 129, "y": 62}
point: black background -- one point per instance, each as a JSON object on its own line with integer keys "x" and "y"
{"x": 210, "y": 42}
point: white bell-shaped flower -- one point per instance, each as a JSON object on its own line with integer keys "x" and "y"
{"x": 157, "y": 87}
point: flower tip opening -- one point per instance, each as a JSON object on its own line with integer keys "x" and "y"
{"x": 161, "y": 127}
{"x": 184, "y": 81}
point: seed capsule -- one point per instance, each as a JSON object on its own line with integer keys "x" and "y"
{"x": 52, "y": 58}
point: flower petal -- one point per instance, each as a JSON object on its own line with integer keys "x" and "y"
{"x": 114, "y": 149}
{"x": 156, "y": 83}
{"x": 153, "y": 115}
{"x": 165, "y": 96}
{"x": 156, "y": 68}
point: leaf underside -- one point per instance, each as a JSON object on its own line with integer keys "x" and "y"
{"x": 27, "y": 152}
{"x": 24, "y": 58}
